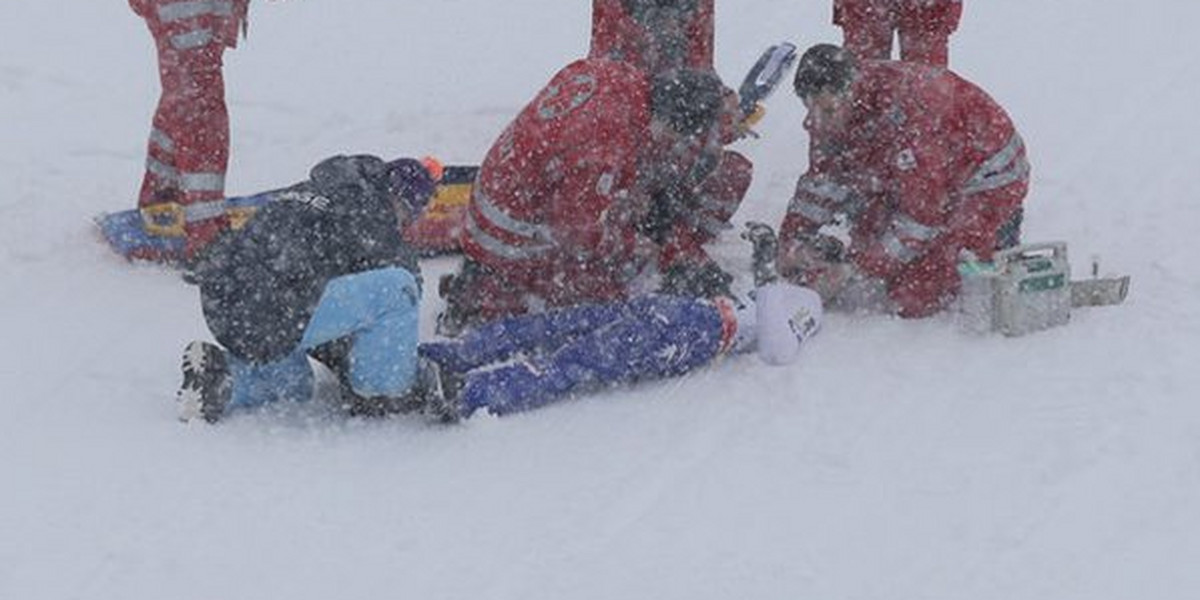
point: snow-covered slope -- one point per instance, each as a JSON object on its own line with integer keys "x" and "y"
{"x": 898, "y": 460}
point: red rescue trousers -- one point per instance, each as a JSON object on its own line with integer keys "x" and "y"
{"x": 188, "y": 151}
{"x": 924, "y": 28}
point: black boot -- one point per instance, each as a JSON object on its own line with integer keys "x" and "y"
{"x": 375, "y": 407}
{"x": 766, "y": 247}
{"x": 462, "y": 307}
{"x": 434, "y": 394}
{"x": 207, "y": 384}
{"x": 439, "y": 389}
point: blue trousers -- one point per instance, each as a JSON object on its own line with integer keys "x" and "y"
{"x": 549, "y": 356}
{"x": 378, "y": 310}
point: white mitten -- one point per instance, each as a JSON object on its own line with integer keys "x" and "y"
{"x": 787, "y": 316}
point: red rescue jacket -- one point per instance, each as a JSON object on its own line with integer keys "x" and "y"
{"x": 928, "y": 164}
{"x": 556, "y": 205}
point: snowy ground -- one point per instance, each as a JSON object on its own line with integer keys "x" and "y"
{"x": 899, "y": 460}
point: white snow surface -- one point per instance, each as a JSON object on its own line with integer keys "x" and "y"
{"x": 896, "y": 460}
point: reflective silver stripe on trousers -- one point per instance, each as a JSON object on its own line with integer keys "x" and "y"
{"x": 502, "y": 220}
{"x": 202, "y": 182}
{"x": 192, "y": 39}
{"x": 162, "y": 170}
{"x": 203, "y": 211}
{"x": 823, "y": 188}
{"x": 1003, "y": 168}
{"x": 160, "y": 139}
{"x": 496, "y": 247}
{"x": 177, "y": 11}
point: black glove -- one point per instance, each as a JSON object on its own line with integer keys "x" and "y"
{"x": 827, "y": 247}
{"x": 697, "y": 280}
{"x": 815, "y": 260}
{"x": 765, "y": 253}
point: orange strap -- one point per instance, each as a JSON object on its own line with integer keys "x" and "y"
{"x": 729, "y": 324}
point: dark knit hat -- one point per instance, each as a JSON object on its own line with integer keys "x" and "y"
{"x": 688, "y": 100}
{"x": 824, "y": 68}
{"x": 411, "y": 183}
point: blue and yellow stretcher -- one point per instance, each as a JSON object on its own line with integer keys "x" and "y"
{"x": 156, "y": 233}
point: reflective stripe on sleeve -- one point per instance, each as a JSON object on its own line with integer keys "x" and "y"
{"x": 896, "y": 249}
{"x": 905, "y": 226}
{"x": 905, "y": 231}
{"x": 830, "y": 196}
{"x": 502, "y": 220}
{"x": 495, "y": 247}
{"x": 178, "y": 11}
{"x": 1003, "y": 168}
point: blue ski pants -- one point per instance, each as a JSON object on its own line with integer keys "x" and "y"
{"x": 378, "y": 310}
{"x": 575, "y": 349}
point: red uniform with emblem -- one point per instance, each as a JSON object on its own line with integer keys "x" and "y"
{"x": 927, "y": 165}
{"x": 553, "y": 214}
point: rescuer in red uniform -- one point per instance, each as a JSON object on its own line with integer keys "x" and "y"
{"x": 920, "y": 164}
{"x": 658, "y": 36}
{"x": 589, "y": 185}
{"x": 189, "y": 142}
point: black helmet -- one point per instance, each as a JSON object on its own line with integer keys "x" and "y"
{"x": 688, "y": 100}
{"x": 824, "y": 68}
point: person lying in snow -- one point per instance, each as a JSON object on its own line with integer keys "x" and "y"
{"x": 523, "y": 362}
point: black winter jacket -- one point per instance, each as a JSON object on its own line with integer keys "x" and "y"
{"x": 260, "y": 285}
